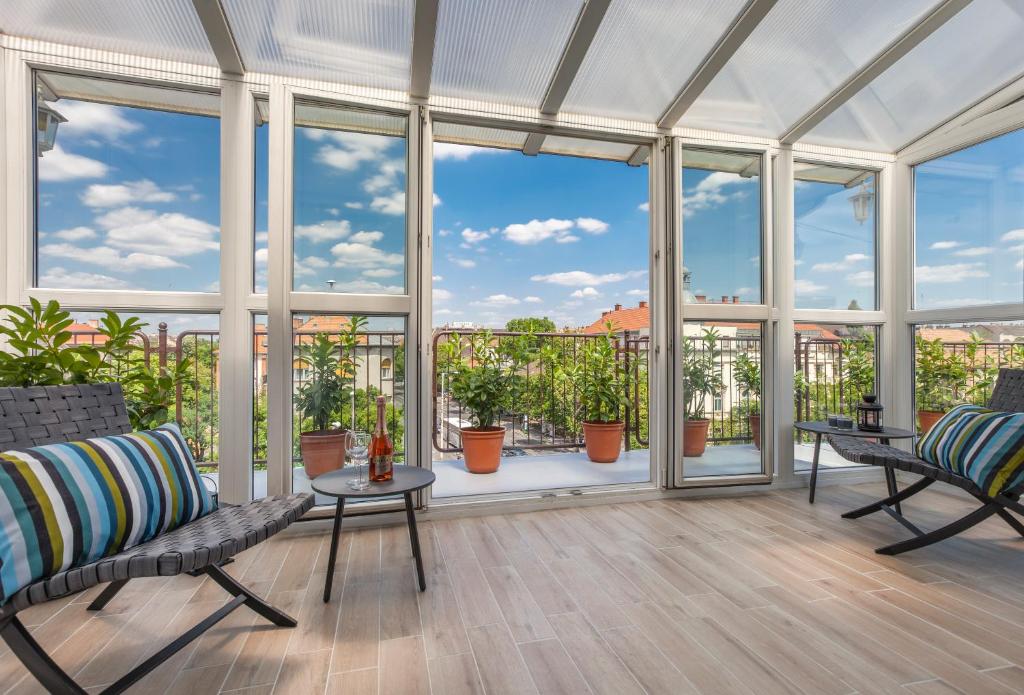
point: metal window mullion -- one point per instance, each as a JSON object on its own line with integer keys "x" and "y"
{"x": 19, "y": 166}
{"x": 783, "y": 282}
{"x": 658, "y": 374}
{"x": 418, "y": 351}
{"x": 675, "y": 233}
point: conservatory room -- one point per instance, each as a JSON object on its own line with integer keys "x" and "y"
{"x": 511, "y": 346}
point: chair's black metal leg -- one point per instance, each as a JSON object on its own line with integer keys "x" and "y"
{"x": 1010, "y": 519}
{"x": 890, "y": 484}
{"x": 109, "y": 592}
{"x": 901, "y": 495}
{"x": 233, "y": 587}
{"x": 339, "y": 511}
{"x": 958, "y": 526}
{"x": 37, "y": 661}
{"x": 414, "y": 539}
{"x": 814, "y": 465}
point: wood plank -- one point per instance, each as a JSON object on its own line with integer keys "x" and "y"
{"x": 486, "y": 548}
{"x": 502, "y": 669}
{"x": 473, "y": 594}
{"x": 545, "y": 589}
{"x": 444, "y": 633}
{"x": 523, "y": 616}
{"x": 603, "y": 671}
{"x": 592, "y": 599}
{"x": 649, "y": 666}
{"x": 355, "y": 645}
{"x": 455, "y": 675}
{"x": 305, "y": 672}
{"x": 403, "y": 666}
{"x": 362, "y": 682}
{"x": 553, "y": 671}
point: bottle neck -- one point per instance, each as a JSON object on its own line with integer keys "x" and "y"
{"x": 382, "y": 424}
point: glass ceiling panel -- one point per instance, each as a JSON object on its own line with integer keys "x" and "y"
{"x": 716, "y": 160}
{"x": 457, "y": 134}
{"x": 62, "y": 86}
{"x": 167, "y": 29}
{"x": 643, "y": 54}
{"x": 367, "y": 43}
{"x": 348, "y": 118}
{"x": 501, "y": 51}
{"x": 824, "y": 173}
{"x": 799, "y": 54}
{"x": 973, "y": 54}
{"x": 598, "y": 149}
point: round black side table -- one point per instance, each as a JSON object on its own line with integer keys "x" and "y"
{"x": 819, "y": 429}
{"x": 406, "y": 480}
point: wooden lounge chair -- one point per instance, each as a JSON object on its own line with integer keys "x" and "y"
{"x": 52, "y": 414}
{"x": 1008, "y": 395}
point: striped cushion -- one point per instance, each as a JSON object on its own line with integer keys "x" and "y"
{"x": 984, "y": 445}
{"x": 65, "y": 505}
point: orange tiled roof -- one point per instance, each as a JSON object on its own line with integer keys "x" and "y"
{"x": 626, "y": 319}
{"x": 946, "y": 335}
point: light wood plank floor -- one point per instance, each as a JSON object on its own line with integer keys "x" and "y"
{"x": 757, "y": 595}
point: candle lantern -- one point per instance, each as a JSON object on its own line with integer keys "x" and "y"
{"x": 869, "y": 414}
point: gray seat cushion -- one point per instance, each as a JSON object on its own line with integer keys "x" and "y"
{"x": 205, "y": 541}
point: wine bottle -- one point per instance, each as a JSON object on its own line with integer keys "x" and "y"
{"x": 381, "y": 449}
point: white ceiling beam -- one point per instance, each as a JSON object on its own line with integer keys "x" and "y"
{"x": 583, "y": 33}
{"x": 742, "y": 26}
{"x": 882, "y": 62}
{"x": 423, "y": 36}
{"x": 639, "y": 156}
{"x": 218, "y": 32}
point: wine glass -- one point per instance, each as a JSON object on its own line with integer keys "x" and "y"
{"x": 356, "y": 446}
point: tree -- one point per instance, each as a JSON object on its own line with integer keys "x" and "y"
{"x": 531, "y": 324}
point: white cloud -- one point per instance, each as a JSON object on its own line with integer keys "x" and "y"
{"x": 168, "y": 234}
{"x": 328, "y": 230}
{"x": 347, "y": 151}
{"x": 497, "y": 300}
{"x": 592, "y": 225}
{"x": 462, "y": 262}
{"x": 262, "y": 237}
{"x": 1020, "y": 264}
{"x": 474, "y": 237}
{"x": 97, "y": 120}
{"x": 533, "y": 300}
{"x": 392, "y": 204}
{"x": 567, "y": 239}
{"x": 334, "y": 212}
{"x": 1013, "y": 235}
{"x": 536, "y": 231}
{"x": 261, "y": 255}
{"x": 386, "y": 176}
{"x": 450, "y": 151}
{"x": 354, "y": 206}
{"x": 380, "y": 273}
{"x": 445, "y": 232}
{"x": 437, "y": 200}
{"x": 645, "y": 206}
{"x": 440, "y": 295}
{"x": 308, "y": 265}
{"x": 954, "y": 272}
{"x": 366, "y": 237}
{"x": 58, "y": 165}
{"x": 637, "y": 293}
{"x": 849, "y": 260}
{"x": 109, "y": 258}
{"x": 743, "y": 291}
{"x": 945, "y": 245}
{"x": 709, "y": 194}
{"x": 75, "y": 234}
{"x": 58, "y": 277}
{"x": 802, "y": 287}
{"x": 363, "y": 256}
{"x": 581, "y": 278}
{"x": 862, "y": 278}
{"x": 361, "y": 286}
{"x": 586, "y": 293}
{"x": 437, "y": 278}
{"x": 974, "y": 251}
{"x": 100, "y": 195}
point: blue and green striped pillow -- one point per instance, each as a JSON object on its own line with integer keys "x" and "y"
{"x": 984, "y": 445}
{"x": 66, "y": 505}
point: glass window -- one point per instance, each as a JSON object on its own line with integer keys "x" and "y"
{"x": 969, "y": 226}
{"x": 721, "y": 227}
{"x": 722, "y": 367}
{"x": 261, "y": 184}
{"x": 260, "y": 367}
{"x": 834, "y": 248}
{"x": 835, "y": 367}
{"x": 349, "y": 201}
{"x": 127, "y": 198}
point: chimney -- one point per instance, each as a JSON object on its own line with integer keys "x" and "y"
{"x": 618, "y": 307}
{"x": 605, "y": 313}
{"x": 642, "y": 304}
{"x": 725, "y": 299}
{"x": 735, "y": 299}
{"x": 701, "y": 299}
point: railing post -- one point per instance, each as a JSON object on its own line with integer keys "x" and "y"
{"x": 162, "y": 344}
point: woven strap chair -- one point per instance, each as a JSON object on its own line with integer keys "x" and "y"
{"x": 1008, "y": 395}
{"x": 40, "y": 415}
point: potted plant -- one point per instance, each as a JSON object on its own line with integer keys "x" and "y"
{"x": 747, "y": 375}
{"x": 702, "y": 377}
{"x": 484, "y": 381}
{"x": 602, "y": 387}
{"x": 940, "y": 381}
{"x": 332, "y": 362}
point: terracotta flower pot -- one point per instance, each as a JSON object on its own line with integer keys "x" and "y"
{"x": 755, "y": 429}
{"x": 603, "y": 440}
{"x": 928, "y": 418}
{"x": 695, "y": 437}
{"x": 482, "y": 448}
{"x": 323, "y": 451}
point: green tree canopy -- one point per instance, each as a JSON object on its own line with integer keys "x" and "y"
{"x": 531, "y": 324}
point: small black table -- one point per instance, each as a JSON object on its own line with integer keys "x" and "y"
{"x": 819, "y": 429}
{"x": 406, "y": 480}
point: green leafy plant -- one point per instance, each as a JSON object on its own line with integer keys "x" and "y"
{"x": 601, "y": 383}
{"x": 747, "y": 375}
{"x": 941, "y": 376}
{"x": 332, "y": 361}
{"x": 484, "y": 378}
{"x": 702, "y": 372}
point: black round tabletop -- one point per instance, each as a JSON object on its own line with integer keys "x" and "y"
{"x": 822, "y": 427}
{"x": 405, "y": 479}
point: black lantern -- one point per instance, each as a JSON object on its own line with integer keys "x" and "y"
{"x": 869, "y": 414}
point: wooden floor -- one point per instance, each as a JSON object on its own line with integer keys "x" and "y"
{"x": 757, "y": 595}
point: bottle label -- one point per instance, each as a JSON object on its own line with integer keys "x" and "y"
{"x": 380, "y": 465}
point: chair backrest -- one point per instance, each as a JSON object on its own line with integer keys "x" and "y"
{"x": 1008, "y": 393}
{"x": 37, "y": 415}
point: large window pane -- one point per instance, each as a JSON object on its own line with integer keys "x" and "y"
{"x": 722, "y": 367}
{"x": 349, "y": 201}
{"x": 544, "y": 251}
{"x": 721, "y": 227}
{"x": 835, "y": 367}
{"x": 127, "y": 198}
{"x": 835, "y": 238}
{"x": 969, "y": 226}
{"x": 260, "y": 404}
{"x": 261, "y": 186}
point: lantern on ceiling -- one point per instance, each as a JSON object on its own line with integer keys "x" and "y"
{"x": 869, "y": 414}
{"x": 47, "y": 120}
{"x": 862, "y": 202}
